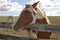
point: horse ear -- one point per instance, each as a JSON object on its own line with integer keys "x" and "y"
{"x": 26, "y": 5}
{"x": 35, "y": 4}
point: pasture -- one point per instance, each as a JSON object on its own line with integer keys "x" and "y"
{"x": 5, "y": 19}
{"x": 53, "y": 20}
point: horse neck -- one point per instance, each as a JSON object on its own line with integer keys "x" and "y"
{"x": 45, "y": 16}
{"x": 36, "y": 16}
{"x": 40, "y": 15}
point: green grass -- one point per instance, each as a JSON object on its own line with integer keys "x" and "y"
{"x": 53, "y": 19}
{"x": 5, "y": 19}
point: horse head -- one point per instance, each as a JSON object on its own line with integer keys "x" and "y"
{"x": 26, "y": 16}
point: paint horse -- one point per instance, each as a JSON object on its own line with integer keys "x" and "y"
{"x": 31, "y": 14}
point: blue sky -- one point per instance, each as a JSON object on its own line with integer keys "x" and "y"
{"x": 22, "y": 2}
{"x": 14, "y": 7}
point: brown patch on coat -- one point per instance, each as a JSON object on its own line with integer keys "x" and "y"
{"x": 41, "y": 21}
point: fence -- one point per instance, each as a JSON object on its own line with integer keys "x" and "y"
{"x": 38, "y": 27}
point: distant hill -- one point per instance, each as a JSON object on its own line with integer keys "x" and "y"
{"x": 53, "y": 19}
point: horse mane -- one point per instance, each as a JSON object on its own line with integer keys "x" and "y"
{"x": 44, "y": 13}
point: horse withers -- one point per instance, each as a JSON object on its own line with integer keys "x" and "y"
{"x": 30, "y": 15}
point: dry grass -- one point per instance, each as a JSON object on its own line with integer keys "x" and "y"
{"x": 20, "y": 33}
{"x": 12, "y": 32}
{"x": 24, "y": 33}
{"x": 53, "y": 19}
{"x": 5, "y": 19}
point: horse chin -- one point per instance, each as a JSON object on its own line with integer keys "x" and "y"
{"x": 17, "y": 28}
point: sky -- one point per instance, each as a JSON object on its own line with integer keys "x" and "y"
{"x": 14, "y": 7}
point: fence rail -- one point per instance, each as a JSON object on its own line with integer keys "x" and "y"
{"x": 44, "y": 27}
{"x": 38, "y": 27}
{"x": 9, "y": 37}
